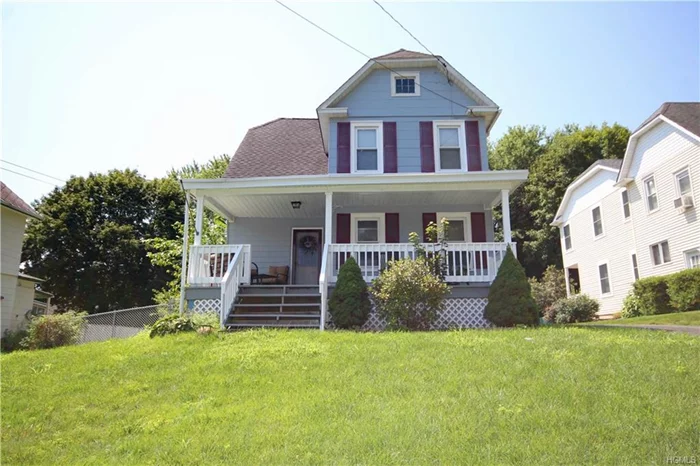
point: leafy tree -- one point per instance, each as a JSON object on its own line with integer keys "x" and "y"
{"x": 349, "y": 305}
{"x": 554, "y": 161}
{"x": 89, "y": 245}
{"x": 510, "y": 300}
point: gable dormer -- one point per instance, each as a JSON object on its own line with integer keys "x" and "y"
{"x": 406, "y": 112}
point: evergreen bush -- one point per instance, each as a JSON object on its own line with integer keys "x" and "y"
{"x": 652, "y": 295}
{"x": 684, "y": 290}
{"x": 349, "y": 305}
{"x": 578, "y": 308}
{"x": 510, "y": 297}
{"x": 630, "y": 306}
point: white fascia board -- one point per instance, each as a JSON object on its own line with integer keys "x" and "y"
{"x": 570, "y": 189}
{"x": 324, "y": 121}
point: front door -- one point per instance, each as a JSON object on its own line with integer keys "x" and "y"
{"x": 307, "y": 248}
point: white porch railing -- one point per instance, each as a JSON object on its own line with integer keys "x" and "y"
{"x": 466, "y": 262}
{"x": 229, "y": 285}
{"x": 208, "y": 264}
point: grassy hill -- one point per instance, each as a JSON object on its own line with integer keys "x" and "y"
{"x": 551, "y": 395}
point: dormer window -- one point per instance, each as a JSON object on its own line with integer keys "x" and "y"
{"x": 405, "y": 83}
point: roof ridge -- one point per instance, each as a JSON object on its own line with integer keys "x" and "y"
{"x": 280, "y": 119}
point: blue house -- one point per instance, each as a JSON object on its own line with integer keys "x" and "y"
{"x": 400, "y": 144}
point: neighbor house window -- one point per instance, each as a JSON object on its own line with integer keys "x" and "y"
{"x": 366, "y": 147}
{"x": 457, "y": 226}
{"x": 625, "y": 204}
{"x": 683, "y": 182}
{"x": 635, "y": 268}
{"x": 692, "y": 258}
{"x": 406, "y": 83}
{"x": 597, "y": 222}
{"x": 604, "y": 277}
{"x": 567, "y": 237}
{"x": 450, "y": 145}
{"x": 660, "y": 253}
{"x": 650, "y": 191}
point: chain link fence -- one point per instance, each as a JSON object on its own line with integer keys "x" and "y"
{"x": 123, "y": 323}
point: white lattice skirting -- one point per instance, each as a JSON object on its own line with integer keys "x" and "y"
{"x": 200, "y": 306}
{"x": 456, "y": 313}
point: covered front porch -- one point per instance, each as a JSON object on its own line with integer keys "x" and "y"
{"x": 299, "y": 232}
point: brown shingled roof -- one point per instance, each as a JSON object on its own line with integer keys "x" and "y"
{"x": 281, "y": 147}
{"x": 9, "y": 199}
{"x": 402, "y": 53}
{"x": 686, "y": 114}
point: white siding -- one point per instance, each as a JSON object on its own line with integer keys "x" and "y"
{"x": 11, "y": 237}
{"x": 24, "y": 298}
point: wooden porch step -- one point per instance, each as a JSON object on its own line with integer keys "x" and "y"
{"x": 278, "y": 315}
{"x": 275, "y": 325}
{"x": 288, "y": 295}
{"x": 237, "y": 305}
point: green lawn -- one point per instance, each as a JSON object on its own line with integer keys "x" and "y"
{"x": 677, "y": 318}
{"x": 543, "y": 396}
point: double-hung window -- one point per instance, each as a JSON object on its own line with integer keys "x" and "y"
{"x": 650, "y": 191}
{"x": 597, "y": 222}
{"x": 604, "y": 276}
{"x": 625, "y": 204}
{"x": 450, "y": 145}
{"x": 458, "y": 228}
{"x": 635, "y": 268}
{"x": 366, "y": 147}
{"x": 683, "y": 182}
{"x": 692, "y": 259}
{"x": 660, "y": 253}
{"x": 566, "y": 232}
{"x": 406, "y": 83}
{"x": 368, "y": 229}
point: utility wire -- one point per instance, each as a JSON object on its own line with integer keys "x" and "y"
{"x": 367, "y": 56}
{"x": 402, "y": 27}
{"x": 27, "y": 176}
{"x": 34, "y": 171}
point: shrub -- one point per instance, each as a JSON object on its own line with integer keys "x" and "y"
{"x": 11, "y": 340}
{"x": 50, "y": 331}
{"x": 652, "y": 296}
{"x": 172, "y": 323}
{"x": 510, "y": 298}
{"x": 630, "y": 306}
{"x": 408, "y": 294}
{"x": 578, "y": 308}
{"x": 684, "y": 290}
{"x": 548, "y": 290}
{"x": 206, "y": 320}
{"x": 349, "y": 305}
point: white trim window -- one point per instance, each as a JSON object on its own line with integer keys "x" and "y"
{"x": 405, "y": 84}
{"x": 683, "y": 185}
{"x": 604, "y": 278}
{"x": 635, "y": 266}
{"x": 366, "y": 147}
{"x": 660, "y": 253}
{"x": 566, "y": 234}
{"x": 626, "y": 212}
{"x": 597, "y": 221}
{"x": 459, "y": 228}
{"x": 652, "y": 199}
{"x": 692, "y": 259}
{"x": 450, "y": 146}
{"x": 367, "y": 228}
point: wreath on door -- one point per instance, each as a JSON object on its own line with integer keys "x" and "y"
{"x": 308, "y": 244}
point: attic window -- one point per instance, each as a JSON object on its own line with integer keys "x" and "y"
{"x": 405, "y": 83}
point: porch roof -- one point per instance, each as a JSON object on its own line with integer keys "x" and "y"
{"x": 271, "y": 197}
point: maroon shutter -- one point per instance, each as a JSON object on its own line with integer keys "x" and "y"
{"x": 391, "y": 221}
{"x": 473, "y": 146}
{"x": 342, "y": 228}
{"x": 427, "y": 154}
{"x": 390, "y": 151}
{"x": 343, "y": 147}
{"x": 427, "y": 218}
{"x": 479, "y": 236}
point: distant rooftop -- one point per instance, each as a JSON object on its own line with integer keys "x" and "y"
{"x": 685, "y": 114}
{"x": 11, "y": 200}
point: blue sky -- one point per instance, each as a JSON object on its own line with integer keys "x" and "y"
{"x": 87, "y": 87}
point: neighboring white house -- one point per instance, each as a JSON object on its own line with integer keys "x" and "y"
{"x": 638, "y": 217}
{"x": 18, "y": 297}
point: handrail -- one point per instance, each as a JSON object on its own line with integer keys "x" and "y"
{"x": 323, "y": 285}
{"x": 230, "y": 282}
{"x": 209, "y": 262}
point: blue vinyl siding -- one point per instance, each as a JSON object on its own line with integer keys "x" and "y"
{"x": 372, "y": 100}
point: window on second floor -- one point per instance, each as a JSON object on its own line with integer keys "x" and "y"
{"x": 650, "y": 192}
{"x": 625, "y": 204}
{"x": 683, "y": 182}
{"x": 450, "y": 145}
{"x": 660, "y": 253}
{"x": 597, "y": 222}
{"x": 366, "y": 147}
{"x": 405, "y": 83}
{"x": 567, "y": 236}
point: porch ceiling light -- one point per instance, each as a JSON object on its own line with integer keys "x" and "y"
{"x": 296, "y": 204}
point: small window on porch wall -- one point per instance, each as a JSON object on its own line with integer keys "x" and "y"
{"x": 458, "y": 228}
{"x": 366, "y": 147}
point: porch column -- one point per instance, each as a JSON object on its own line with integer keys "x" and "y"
{"x": 183, "y": 271}
{"x": 505, "y": 205}
{"x": 198, "y": 221}
{"x": 328, "y": 229}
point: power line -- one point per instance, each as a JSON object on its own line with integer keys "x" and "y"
{"x": 34, "y": 171}
{"x": 402, "y": 27}
{"x": 368, "y": 57}
{"x": 27, "y": 176}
